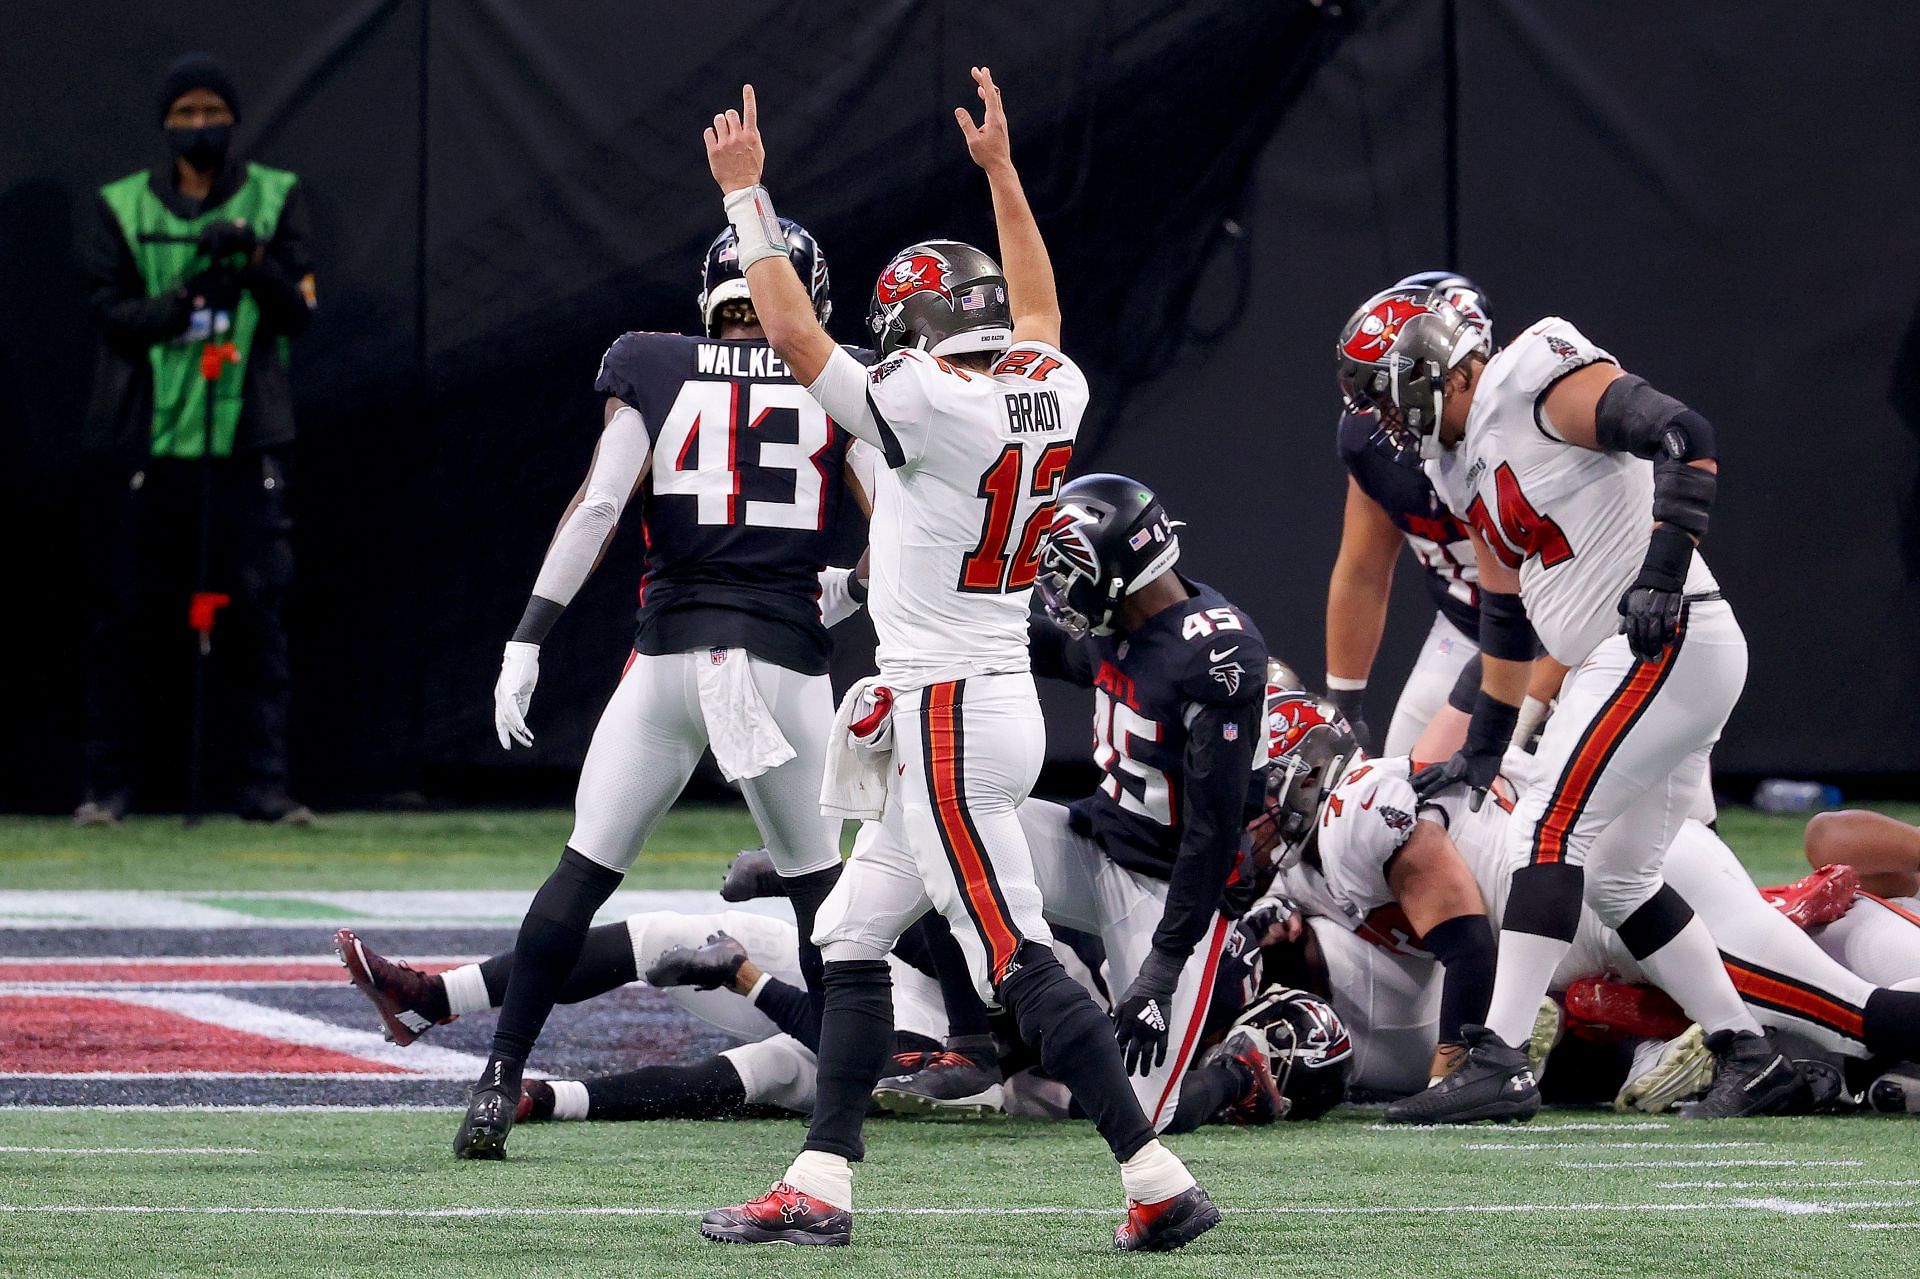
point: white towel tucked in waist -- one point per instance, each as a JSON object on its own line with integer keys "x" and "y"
{"x": 854, "y": 785}
{"x": 745, "y": 739}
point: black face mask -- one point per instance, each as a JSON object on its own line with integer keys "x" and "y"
{"x": 205, "y": 148}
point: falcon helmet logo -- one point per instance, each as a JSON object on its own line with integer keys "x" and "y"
{"x": 1067, "y": 544}
{"x": 915, "y": 273}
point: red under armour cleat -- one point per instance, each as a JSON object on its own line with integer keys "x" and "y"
{"x": 1603, "y": 1012}
{"x": 1169, "y": 1224}
{"x": 1819, "y": 898}
{"x": 782, "y": 1215}
{"x": 410, "y": 1002}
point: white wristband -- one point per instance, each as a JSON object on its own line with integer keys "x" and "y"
{"x": 755, "y": 225}
{"x": 1344, "y": 684}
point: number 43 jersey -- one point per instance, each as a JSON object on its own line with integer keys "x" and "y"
{"x": 1573, "y": 522}
{"x": 739, "y": 500}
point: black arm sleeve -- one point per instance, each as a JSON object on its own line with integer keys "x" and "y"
{"x": 116, "y": 291}
{"x": 1465, "y": 948}
{"x": 1213, "y": 800}
{"x": 1054, "y": 653}
{"x": 275, "y": 282}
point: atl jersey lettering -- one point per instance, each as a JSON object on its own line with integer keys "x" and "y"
{"x": 740, "y": 499}
{"x": 1573, "y": 522}
{"x": 1392, "y": 477}
{"x": 973, "y": 460}
{"x": 1203, "y": 652}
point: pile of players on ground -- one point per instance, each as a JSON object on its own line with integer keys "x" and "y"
{"x": 1257, "y": 913}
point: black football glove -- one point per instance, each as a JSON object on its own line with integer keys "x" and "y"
{"x": 227, "y": 239}
{"x": 1141, "y": 1020}
{"x": 1477, "y": 762}
{"x": 1650, "y": 610}
{"x": 1347, "y": 702}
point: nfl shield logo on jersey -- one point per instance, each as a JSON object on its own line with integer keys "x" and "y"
{"x": 717, "y": 656}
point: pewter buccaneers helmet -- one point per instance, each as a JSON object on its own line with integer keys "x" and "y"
{"x": 1308, "y": 749}
{"x": 1461, "y": 291}
{"x": 1395, "y": 353}
{"x": 721, "y": 280}
{"x": 942, "y": 297}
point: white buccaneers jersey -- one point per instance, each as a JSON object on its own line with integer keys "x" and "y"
{"x": 1573, "y": 522}
{"x": 1391, "y": 1006}
{"x": 972, "y": 462}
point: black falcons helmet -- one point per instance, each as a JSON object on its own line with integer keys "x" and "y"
{"x": 1109, "y": 536}
{"x": 1469, "y": 297}
{"x": 722, "y": 281}
{"x": 942, "y": 297}
{"x": 1308, "y": 1046}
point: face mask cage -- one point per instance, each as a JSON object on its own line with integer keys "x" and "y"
{"x": 1055, "y": 586}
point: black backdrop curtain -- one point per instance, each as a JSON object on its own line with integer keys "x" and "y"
{"x": 501, "y": 186}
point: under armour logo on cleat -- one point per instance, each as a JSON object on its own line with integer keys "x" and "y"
{"x": 1522, "y": 1081}
{"x": 791, "y": 1210}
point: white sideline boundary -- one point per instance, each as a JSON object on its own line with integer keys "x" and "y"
{"x": 1520, "y": 1131}
{"x": 227, "y": 1108}
{"x": 1786, "y": 1207}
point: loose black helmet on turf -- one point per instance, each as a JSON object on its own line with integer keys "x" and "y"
{"x": 722, "y": 281}
{"x": 1109, "y": 536}
{"x": 942, "y": 297}
{"x": 1308, "y": 1047}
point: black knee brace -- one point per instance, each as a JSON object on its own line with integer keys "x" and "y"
{"x": 1545, "y": 901}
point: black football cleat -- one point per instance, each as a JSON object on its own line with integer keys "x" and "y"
{"x": 410, "y": 1002}
{"x": 536, "y": 1102}
{"x": 1169, "y": 1224}
{"x": 483, "y": 1131}
{"x": 707, "y": 967}
{"x": 782, "y": 1215}
{"x": 751, "y": 876}
{"x": 1495, "y": 1082}
{"x": 947, "y": 1084}
{"x": 1751, "y": 1077}
{"x": 1262, "y": 1103}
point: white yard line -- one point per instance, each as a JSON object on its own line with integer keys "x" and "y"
{"x": 1787, "y": 1185}
{"x": 215, "y": 1108}
{"x": 253, "y": 1076}
{"x": 370, "y": 909}
{"x": 1884, "y": 1225}
{"x": 1614, "y": 1145}
{"x": 1436, "y": 1129}
{"x": 1788, "y": 1207}
{"x": 127, "y": 1150}
{"x": 1714, "y": 1163}
{"x": 198, "y": 983}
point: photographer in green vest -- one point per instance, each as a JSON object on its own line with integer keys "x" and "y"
{"x": 205, "y": 245}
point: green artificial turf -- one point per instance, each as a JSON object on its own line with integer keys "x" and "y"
{"x": 1470, "y": 1202}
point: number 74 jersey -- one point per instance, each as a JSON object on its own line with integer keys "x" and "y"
{"x": 1573, "y": 522}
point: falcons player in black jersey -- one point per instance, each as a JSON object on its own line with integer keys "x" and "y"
{"x": 1148, "y": 861}
{"x": 738, "y": 475}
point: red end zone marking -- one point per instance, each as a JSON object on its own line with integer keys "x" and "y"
{"x": 147, "y": 972}
{"x": 64, "y": 1034}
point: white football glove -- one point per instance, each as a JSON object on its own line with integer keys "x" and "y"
{"x": 519, "y": 672}
{"x": 836, "y": 599}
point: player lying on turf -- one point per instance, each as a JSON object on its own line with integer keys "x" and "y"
{"x": 730, "y": 651}
{"x": 974, "y": 408}
{"x": 1587, "y": 491}
{"x": 1346, "y": 826}
{"x": 1146, "y": 861}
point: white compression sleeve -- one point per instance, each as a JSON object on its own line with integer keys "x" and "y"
{"x": 624, "y": 448}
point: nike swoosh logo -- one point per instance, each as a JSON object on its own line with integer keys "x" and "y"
{"x": 1224, "y": 655}
{"x": 1368, "y": 802}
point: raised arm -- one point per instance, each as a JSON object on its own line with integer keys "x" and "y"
{"x": 1023, "y": 254}
{"x": 737, "y": 158}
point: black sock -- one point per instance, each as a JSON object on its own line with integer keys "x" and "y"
{"x": 792, "y": 1010}
{"x": 806, "y": 892}
{"x": 709, "y": 1089}
{"x": 1207, "y": 1090}
{"x": 1076, "y": 1046}
{"x": 856, "y": 1038}
{"x": 550, "y": 941}
{"x": 1891, "y": 1023}
{"x": 966, "y": 1014}
{"x": 605, "y": 963}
